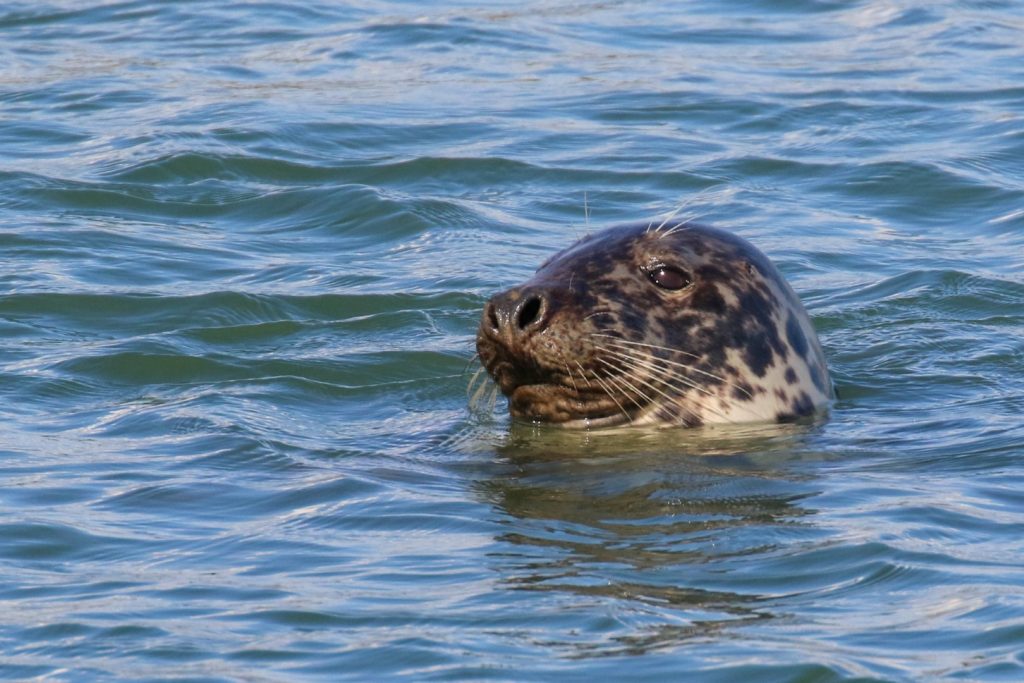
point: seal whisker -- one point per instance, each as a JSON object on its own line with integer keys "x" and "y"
{"x": 683, "y": 222}
{"x": 653, "y": 386}
{"x": 723, "y": 380}
{"x": 583, "y": 374}
{"x": 473, "y": 381}
{"x": 684, "y": 218}
{"x": 621, "y": 340}
{"x": 686, "y": 222}
{"x": 612, "y": 397}
{"x": 568, "y": 373}
{"x": 666, "y": 375}
{"x": 478, "y": 390}
{"x": 668, "y": 218}
{"x": 606, "y": 333}
{"x": 469, "y": 364}
{"x": 636, "y": 363}
{"x": 634, "y": 376}
{"x": 676, "y": 228}
{"x": 619, "y": 381}
{"x": 493, "y": 399}
{"x": 651, "y": 365}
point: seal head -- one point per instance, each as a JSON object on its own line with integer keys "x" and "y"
{"x": 676, "y": 325}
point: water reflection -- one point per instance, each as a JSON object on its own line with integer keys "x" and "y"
{"x": 664, "y": 527}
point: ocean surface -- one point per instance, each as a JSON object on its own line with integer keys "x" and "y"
{"x": 243, "y": 251}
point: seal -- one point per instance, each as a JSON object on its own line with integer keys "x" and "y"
{"x": 674, "y": 325}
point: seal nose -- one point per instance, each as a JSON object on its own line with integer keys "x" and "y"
{"x": 517, "y": 313}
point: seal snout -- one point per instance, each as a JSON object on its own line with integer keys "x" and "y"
{"x": 509, "y": 339}
{"x": 517, "y": 314}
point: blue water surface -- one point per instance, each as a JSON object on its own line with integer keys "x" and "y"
{"x": 243, "y": 252}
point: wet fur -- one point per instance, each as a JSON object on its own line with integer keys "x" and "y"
{"x": 736, "y": 345}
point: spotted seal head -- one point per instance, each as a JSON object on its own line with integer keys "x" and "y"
{"x": 674, "y": 325}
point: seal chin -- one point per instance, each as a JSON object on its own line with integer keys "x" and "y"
{"x": 539, "y": 395}
{"x": 564, "y": 405}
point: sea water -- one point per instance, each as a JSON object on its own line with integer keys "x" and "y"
{"x": 243, "y": 251}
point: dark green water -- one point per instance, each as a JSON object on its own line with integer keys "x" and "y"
{"x": 243, "y": 250}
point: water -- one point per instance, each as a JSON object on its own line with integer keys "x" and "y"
{"x": 243, "y": 250}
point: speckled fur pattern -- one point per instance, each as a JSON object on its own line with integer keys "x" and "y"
{"x": 592, "y": 340}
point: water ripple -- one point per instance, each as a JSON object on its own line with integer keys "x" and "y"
{"x": 245, "y": 248}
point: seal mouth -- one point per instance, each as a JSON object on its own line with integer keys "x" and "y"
{"x": 563, "y": 405}
{"x": 540, "y": 396}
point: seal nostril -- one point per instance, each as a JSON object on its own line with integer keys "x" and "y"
{"x": 529, "y": 312}
{"x": 492, "y": 317}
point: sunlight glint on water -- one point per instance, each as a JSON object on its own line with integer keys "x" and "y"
{"x": 245, "y": 248}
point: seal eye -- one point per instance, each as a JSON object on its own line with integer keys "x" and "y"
{"x": 669, "y": 277}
